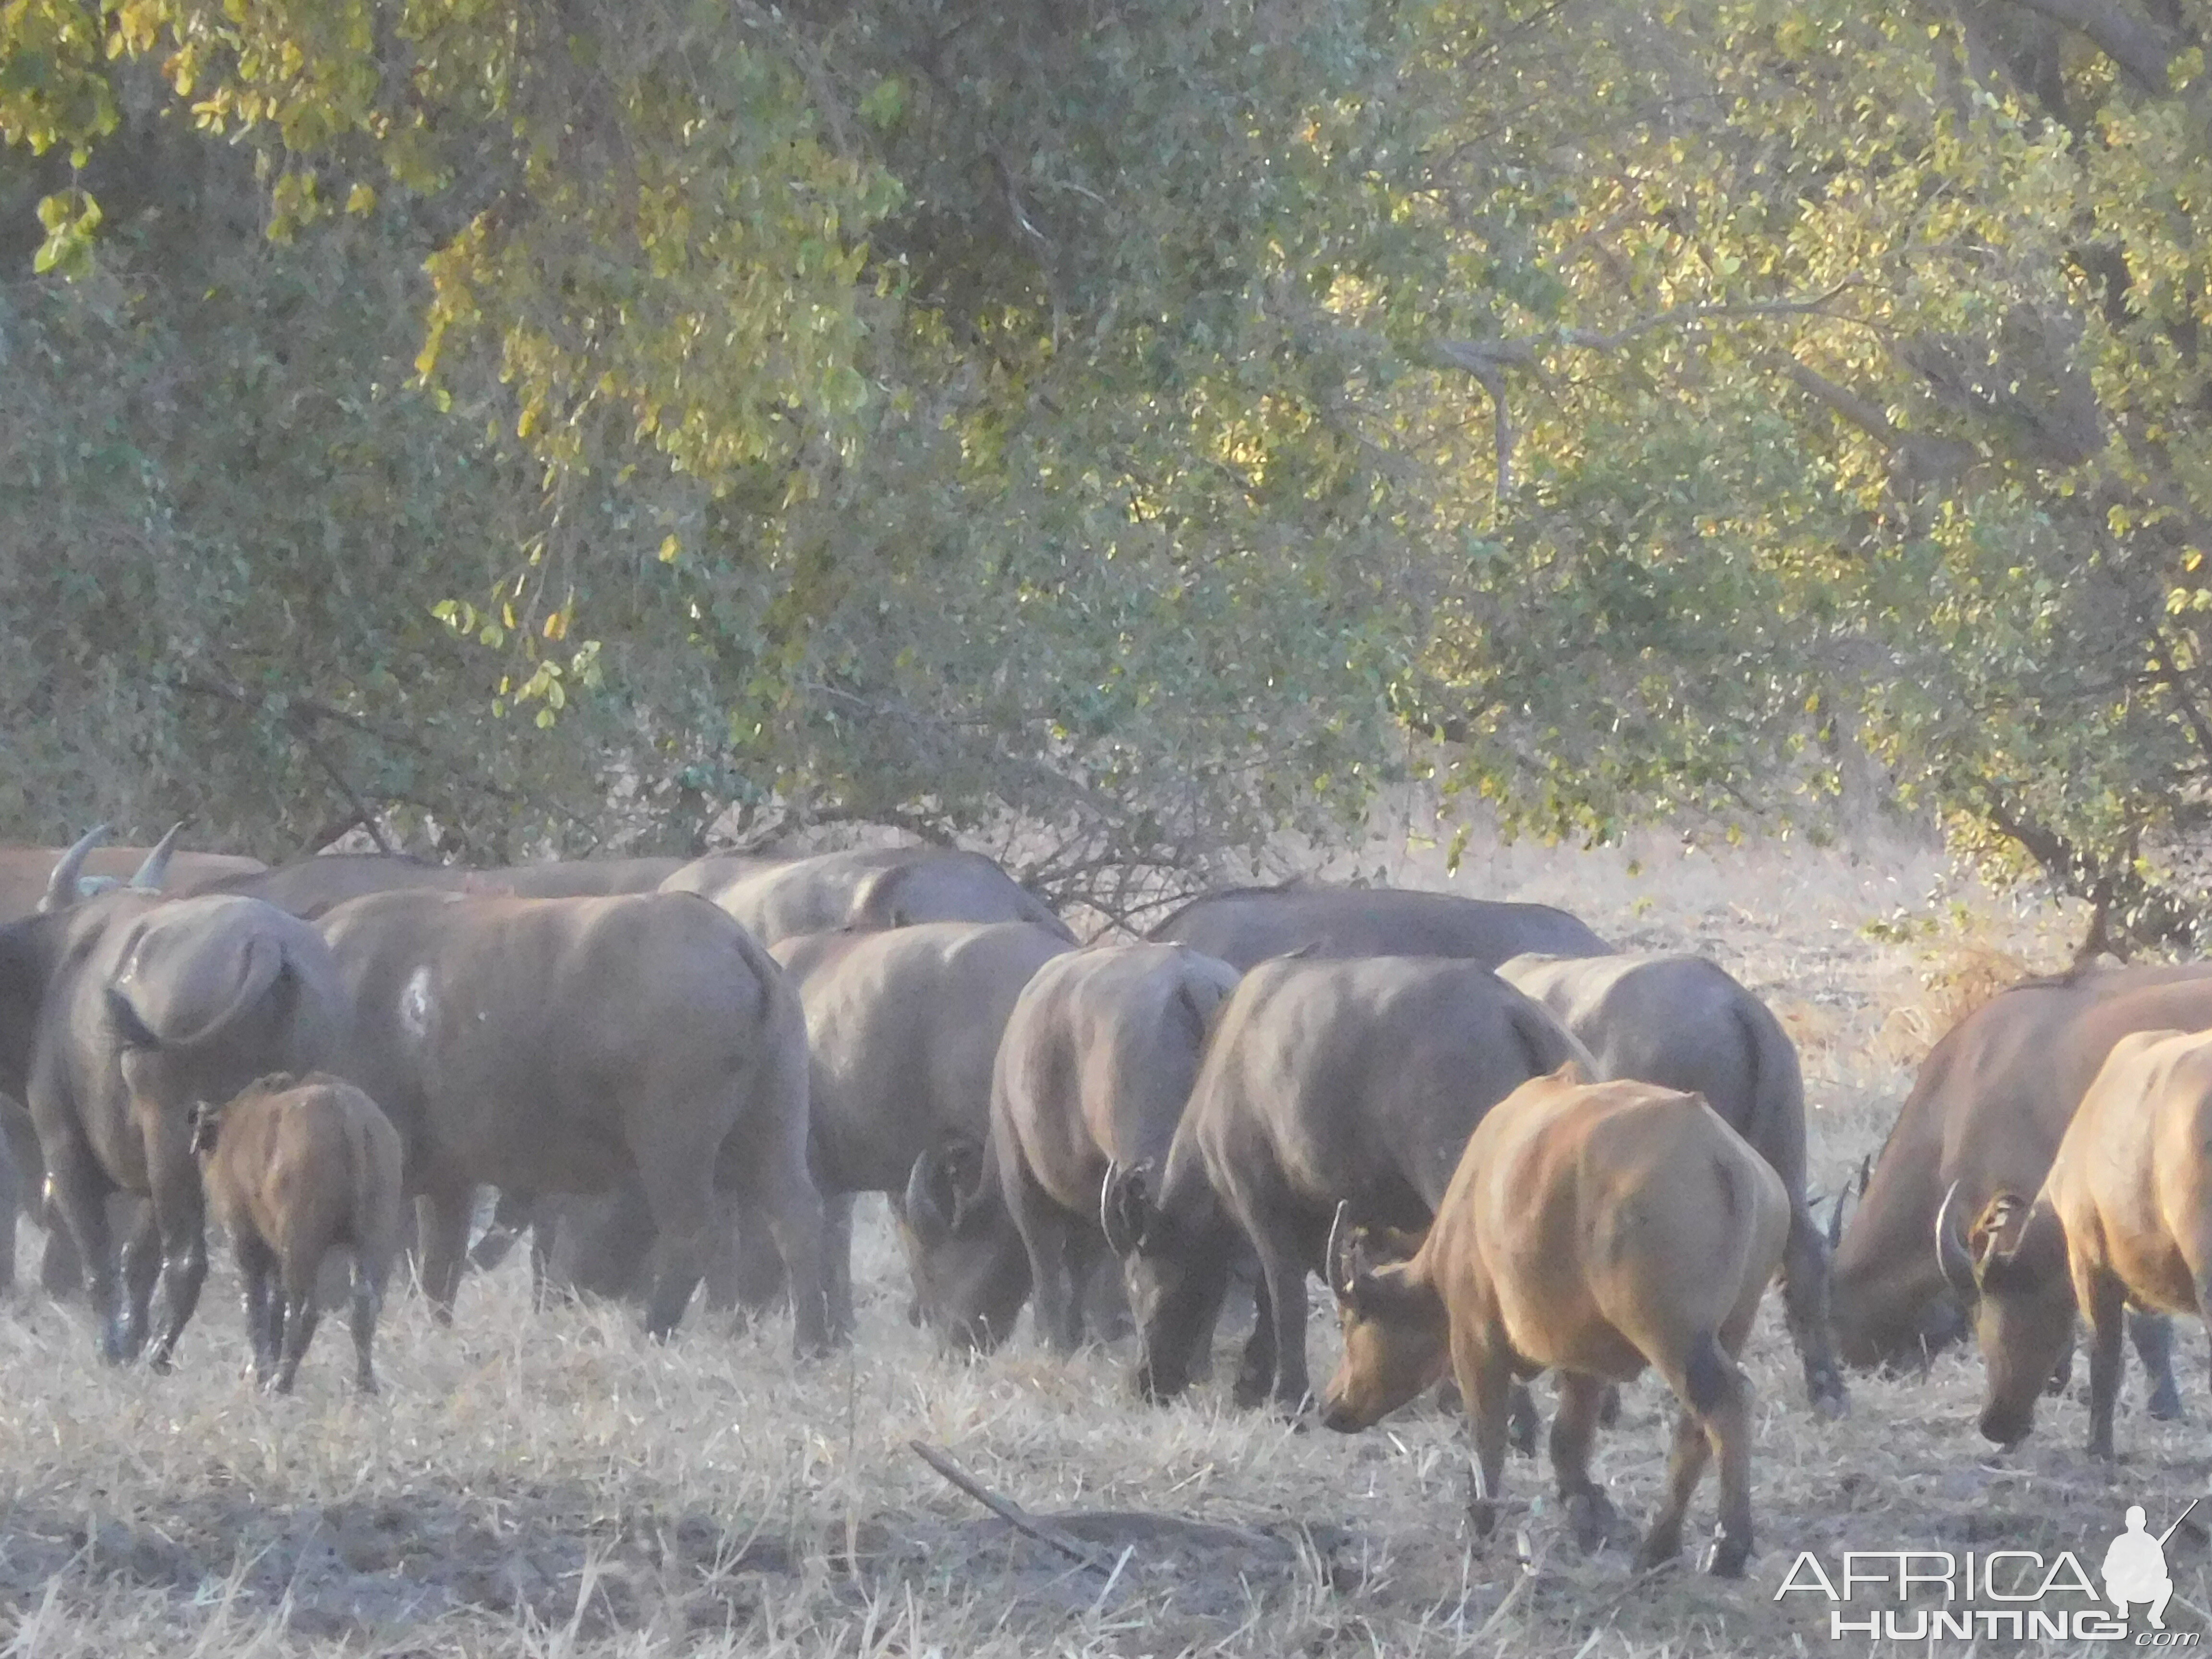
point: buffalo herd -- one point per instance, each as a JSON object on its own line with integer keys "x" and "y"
{"x": 1504, "y": 1147}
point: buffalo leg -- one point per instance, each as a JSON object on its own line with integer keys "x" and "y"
{"x": 1574, "y": 1429}
{"x": 679, "y": 1190}
{"x": 301, "y": 1314}
{"x": 79, "y": 1192}
{"x": 813, "y": 1236}
{"x": 1685, "y": 1467}
{"x": 367, "y": 1300}
{"x": 1050, "y": 1234}
{"x": 1047, "y": 1233}
{"x": 749, "y": 1276}
{"x": 141, "y": 1269}
{"x": 1284, "y": 1274}
{"x": 1255, "y": 1370}
{"x": 179, "y": 1212}
{"x": 2103, "y": 1300}
{"x": 837, "y": 1263}
{"x": 2062, "y": 1371}
{"x": 61, "y": 1270}
{"x": 2153, "y": 1335}
{"x": 442, "y": 1224}
{"x": 1485, "y": 1383}
{"x": 257, "y": 1268}
{"x": 1805, "y": 1298}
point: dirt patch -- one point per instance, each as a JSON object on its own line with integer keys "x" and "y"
{"x": 378, "y": 1566}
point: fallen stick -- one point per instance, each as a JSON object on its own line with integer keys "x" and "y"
{"x": 1008, "y": 1510}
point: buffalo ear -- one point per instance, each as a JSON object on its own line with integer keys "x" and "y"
{"x": 1996, "y": 1240}
{"x": 1364, "y": 1284}
{"x": 1126, "y": 1210}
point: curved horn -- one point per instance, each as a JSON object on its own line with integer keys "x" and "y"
{"x": 925, "y": 1212}
{"x": 1951, "y": 1253}
{"x": 155, "y": 869}
{"x": 1124, "y": 1208}
{"x": 61, "y": 886}
{"x": 1338, "y": 1257}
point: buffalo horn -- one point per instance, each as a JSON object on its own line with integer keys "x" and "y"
{"x": 61, "y": 886}
{"x": 1951, "y": 1253}
{"x": 925, "y": 1212}
{"x": 155, "y": 869}
{"x": 1341, "y": 1271}
{"x": 1122, "y": 1207}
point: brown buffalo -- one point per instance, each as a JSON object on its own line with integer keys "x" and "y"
{"x": 2124, "y": 1218}
{"x": 1250, "y": 924}
{"x": 865, "y": 887}
{"x": 1986, "y": 1115}
{"x": 560, "y": 1045}
{"x": 1094, "y": 1069}
{"x": 295, "y": 1168}
{"x": 1683, "y": 1023}
{"x": 117, "y": 1014}
{"x": 904, "y": 1027}
{"x": 1592, "y": 1229}
{"x": 1325, "y": 1083}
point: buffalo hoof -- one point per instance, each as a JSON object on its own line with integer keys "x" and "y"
{"x": 1591, "y": 1518}
{"x": 1832, "y": 1401}
{"x": 2165, "y": 1402}
{"x": 1250, "y": 1393}
{"x": 1657, "y": 1554}
{"x": 1482, "y": 1517}
{"x": 1729, "y": 1554}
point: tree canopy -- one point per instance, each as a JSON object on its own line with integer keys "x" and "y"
{"x": 1156, "y": 425}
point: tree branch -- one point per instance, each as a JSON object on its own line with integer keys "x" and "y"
{"x": 2139, "y": 46}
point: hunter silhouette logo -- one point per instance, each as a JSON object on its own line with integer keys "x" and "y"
{"x": 2135, "y": 1567}
{"x": 1998, "y": 1596}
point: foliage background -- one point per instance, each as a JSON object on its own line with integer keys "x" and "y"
{"x": 555, "y": 424}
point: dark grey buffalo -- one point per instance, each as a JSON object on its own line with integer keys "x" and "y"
{"x": 567, "y": 1044}
{"x": 904, "y": 1027}
{"x": 1094, "y": 1069}
{"x": 119, "y": 1014}
{"x": 1333, "y": 1082}
{"x": 866, "y": 887}
{"x": 1248, "y": 925}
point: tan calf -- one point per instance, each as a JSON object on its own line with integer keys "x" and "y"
{"x": 295, "y": 1167}
{"x": 2124, "y": 1216}
{"x": 1592, "y": 1229}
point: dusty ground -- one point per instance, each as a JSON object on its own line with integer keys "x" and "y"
{"x": 553, "y": 1485}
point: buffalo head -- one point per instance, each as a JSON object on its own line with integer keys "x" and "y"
{"x": 1396, "y": 1336}
{"x": 1175, "y": 1254}
{"x": 971, "y": 1273}
{"x": 2013, "y": 1265}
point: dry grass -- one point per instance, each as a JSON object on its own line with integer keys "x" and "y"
{"x": 551, "y": 1484}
